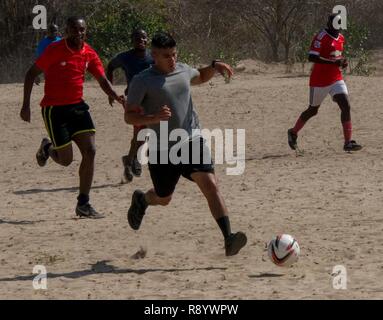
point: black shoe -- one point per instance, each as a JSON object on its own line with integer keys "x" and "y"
{"x": 137, "y": 209}
{"x": 136, "y": 167}
{"x": 234, "y": 243}
{"x": 87, "y": 211}
{"x": 292, "y": 139}
{"x": 352, "y": 146}
{"x": 128, "y": 174}
{"x": 42, "y": 156}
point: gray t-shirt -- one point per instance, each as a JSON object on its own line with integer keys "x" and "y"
{"x": 152, "y": 89}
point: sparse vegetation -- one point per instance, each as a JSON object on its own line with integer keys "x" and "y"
{"x": 269, "y": 30}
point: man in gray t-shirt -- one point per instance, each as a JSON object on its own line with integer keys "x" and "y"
{"x": 163, "y": 94}
{"x": 151, "y": 89}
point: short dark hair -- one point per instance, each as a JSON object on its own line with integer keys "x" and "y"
{"x": 73, "y": 19}
{"x": 332, "y": 16}
{"x": 136, "y": 30}
{"x": 163, "y": 40}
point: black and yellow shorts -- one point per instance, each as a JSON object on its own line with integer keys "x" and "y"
{"x": 65, "y": 122}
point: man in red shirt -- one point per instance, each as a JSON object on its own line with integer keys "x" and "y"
{"x": 65, "y": 114}
{"x": 326, "y": 53}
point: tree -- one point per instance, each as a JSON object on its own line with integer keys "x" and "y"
{"x": 278, "y": 21}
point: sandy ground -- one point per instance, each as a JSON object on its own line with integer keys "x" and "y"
{"x": 329, "y": 200}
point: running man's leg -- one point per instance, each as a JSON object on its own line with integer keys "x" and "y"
{"x": 134, "y": 144}
{"x": 152, "y": 199}
{"x": 62, "y": 156}
{"x": 345, "y": 115}
{"x": 132, "y": 167}
{"x": 86, "y": 142}
{"x": 339, "y": 93}
{"x": 292, "y": 134}
{"x": 139, "y": 204}
{"x": 59, "y": 145}
{"x": 207, "y": 183}
{"x": 305, "y": 116}
{"x": 344, "y": 105}
{"x": 317, "y": 95}
{"x": 165, "y": 178}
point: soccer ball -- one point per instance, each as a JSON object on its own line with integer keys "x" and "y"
{"x": 283, "y": 250}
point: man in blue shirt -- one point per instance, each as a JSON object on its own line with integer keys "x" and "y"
{"x": 52, "y": 36}
{"x": 132, "y": 62}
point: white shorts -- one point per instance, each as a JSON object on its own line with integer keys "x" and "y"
{"x": 318, "y": 94}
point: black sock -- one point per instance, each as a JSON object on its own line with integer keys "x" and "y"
{"x": 224, "y": 225}
{"x": 82, "y": 199}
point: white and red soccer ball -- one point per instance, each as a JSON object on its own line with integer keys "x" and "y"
{"x": 283, "y": 250}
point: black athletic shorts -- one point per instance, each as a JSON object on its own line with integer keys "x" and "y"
{"x": 165, "y": 176}
{"x": 65, "y": 122}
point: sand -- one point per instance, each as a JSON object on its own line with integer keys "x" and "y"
{"x": 330, "y": 201}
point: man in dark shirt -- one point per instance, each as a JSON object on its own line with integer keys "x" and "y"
{"x": 132, "y": 62}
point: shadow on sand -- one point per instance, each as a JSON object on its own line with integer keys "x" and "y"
{"x": 102, "y": 267}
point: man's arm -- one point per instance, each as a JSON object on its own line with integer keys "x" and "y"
{"x": 205, "y": 74}
{"x": 133, "y": 117}
{"x": 109, "y": 72}
{"x": 133, "y": 107}
{"x": 107, "y": 88}
{"x": 113, "y": 64}
{"x": 30, "y": 76}
{"x": 318, "y": 59}
{"x": 109, "y": 76}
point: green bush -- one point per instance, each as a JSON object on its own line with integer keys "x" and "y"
{"x": 356, "y": 49}
{"x": 110, "y": 26}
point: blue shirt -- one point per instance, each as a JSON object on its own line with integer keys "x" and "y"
{"x": 131, "y": 64}
{"x": 45, "y": 43}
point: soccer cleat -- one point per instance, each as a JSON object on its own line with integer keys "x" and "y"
{"x": 128, "y": 174}
{"x": 136, "y": 167}
{"x": 87, "y": 211}
{"x": 137, "y": 209}
{"x": 42, "y": 156}
{"x": 352, "y": 146}
{"x": 234, "y": 243}
{"x": 292, "y": 139}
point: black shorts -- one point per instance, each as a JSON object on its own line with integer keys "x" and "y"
{"x": 165, "y": 176}
{"x": 65, "y": 122}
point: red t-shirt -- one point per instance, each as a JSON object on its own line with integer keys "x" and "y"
{"x": 64, "y": 71}
{"x": 328, "y": 47}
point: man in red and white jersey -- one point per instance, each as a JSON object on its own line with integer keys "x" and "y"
{"x": 326, "y": 53}
{"x": 64, "y": 111}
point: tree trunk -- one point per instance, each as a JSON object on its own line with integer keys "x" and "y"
{"x": 287, "y": 52}
{"x": 274, "y": 50}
